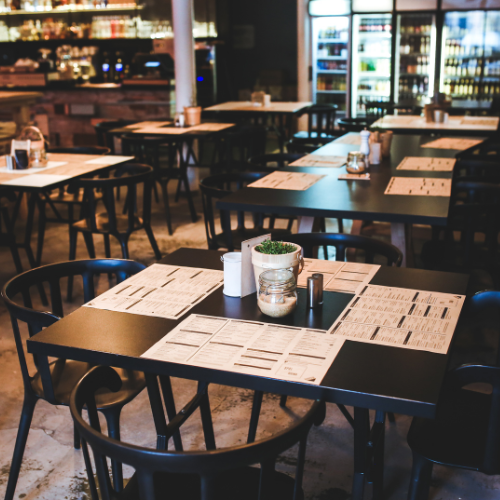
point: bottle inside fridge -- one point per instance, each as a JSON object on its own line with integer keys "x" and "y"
{"x": 330, "y": 61}
{"x": 415, "y": 56}
{"x": 371, "y": 61}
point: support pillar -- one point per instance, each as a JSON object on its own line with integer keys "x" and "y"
{"x": 303, "y": 57}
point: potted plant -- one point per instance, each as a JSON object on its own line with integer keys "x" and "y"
{"x": 276, "y": 255}
{"x": 192, "y": 113}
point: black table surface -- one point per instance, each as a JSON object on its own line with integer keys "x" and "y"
{"x": 361, "y": 200}
{"x": 369, "y": 376}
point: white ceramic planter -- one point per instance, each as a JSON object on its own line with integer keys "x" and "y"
{"x": 263, "y": 262}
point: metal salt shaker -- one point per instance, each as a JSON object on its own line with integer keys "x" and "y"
{"x": 315, "y": 290}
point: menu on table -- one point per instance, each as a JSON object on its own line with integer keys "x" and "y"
{"x": 33, "y": 170}
{"x": 251, "y": 347}
{"x": 450, "y": 143}
{"x": 430, "y": 164}
{"x": 344, "y": 277}
{"x": 161, "y": 130}
{"x": 109, "y": 160}
{"x": 147, "y": 124}
{"x": 400, "y": 317}
{"x": 319, "y": 161}
{"x": 287, "y": 180}
{"x": 485, "y": 121}
{"x": 419, "y": 186}
{"x": 162, "y": 291}
{"x": 212, "y": 127}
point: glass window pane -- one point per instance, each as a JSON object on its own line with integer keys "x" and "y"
{"x": 371, "y": 6}
{"x": 470, "y": 4}
{"x": 412, "y": 5}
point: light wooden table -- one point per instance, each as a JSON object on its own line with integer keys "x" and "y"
{"x": 468, "y": 125}
{"x": 274, "y": 107}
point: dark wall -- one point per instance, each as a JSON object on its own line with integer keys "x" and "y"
{"x": 271, "y": 58}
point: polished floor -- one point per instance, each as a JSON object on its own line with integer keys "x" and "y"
{"x": 53, "y": 470}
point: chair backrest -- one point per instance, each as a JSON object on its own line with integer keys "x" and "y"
{"x": 341, "y": 242}
{"x": 102, "y": 129}
{"x": 477, "y": 374}
{"x": 204, "y": 464}
{"x": 82, "y": 150}
{"x": 216, "y": 187}
{"x": 320, "y": 118}
{"x": 353, "y": 124}
{"x": 375, "y": 110}
{"x": 487, "y": 170}
{"x": 147, "y": 149}
{"x": 130, "y": 175}
{"x": 488, "y": 150}
{"x": 274, "y": 161}
{"x": 52, "y": 274}
{"x": 409, "y": 109}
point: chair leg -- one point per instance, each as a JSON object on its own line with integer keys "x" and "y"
{"x": 192, "y": 210}
{"x": 420, "y": 482}
{"x": 391, "y": 417}
{"x": 107, "y": 246}
{"x": 340, "y": 223}
{"x": 124, "y": 247}
{"x": 22, "y": 436}
{"x": 166, "y": 206}
{"x": 41, "y": 231}
{"x": 113, "y": 421}
{"x": 152, "y": 240}
{"x": 254, "y": 419}
{"x": 283, "y": 400}
{"x": 76, "y": 438}
{"x": 89, "y": 243}
{"x": 73, "y": 235}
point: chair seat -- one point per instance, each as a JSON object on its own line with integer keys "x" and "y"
{"x": 241, "y": 484}
{"x": 306, "y": 137}
{"x": 66, "y": 374}
{"x": 102, "y": 223}
{"x": 239, "y": 236}
{"x": 457, "y": 437}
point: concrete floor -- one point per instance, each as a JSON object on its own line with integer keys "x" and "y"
{"x": 53, "y": 470}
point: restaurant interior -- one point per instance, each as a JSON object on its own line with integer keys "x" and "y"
{"x": 249, "y": 250}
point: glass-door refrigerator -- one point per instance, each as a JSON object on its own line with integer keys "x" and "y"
{"x": 371, "y": 60}
{"x": 330, "y": 61}
{"x": 470, "y": 66}
{"x": 415, "y": 59}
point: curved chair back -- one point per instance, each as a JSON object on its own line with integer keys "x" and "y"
{"x": 216, "y": 187}
{"x": 274, "y": 161}
{"x": 375, "y": 110}
{"x": 82, "y": 150}
{"x": 147, "y": 149}
{"x": 130, "y": 175}
{"x": 206, "y": 464}
{"x": 102, "y": 130}
{"x": 52, "y": 275}
{"x": 320, "y": 119}
{"x": 341, "y": 242}
{"x": 353, "y": 124}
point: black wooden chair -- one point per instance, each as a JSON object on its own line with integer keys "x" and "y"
{"x": 353, "y": 124}
{"x": 274, "y": 161}
{"x": 223, "y": 474}
{"x": 465, "y": 433}
{"x": 155, "y": 151}
{"x": 109, "y": 223}
{"x": 320, "y": 125}
{"x": 488, "y": 150}
{"x": 67, "y": 197}
{"x": 103, "y": 129}
{"x": 375, "y": 110}
{"x": 342, "y": 242}
{"x": 217, "y": 187}
{"x": 53, "y": 382}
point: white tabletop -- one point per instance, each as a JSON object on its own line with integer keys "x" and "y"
{"x": 486, "y": 123}
{"x": 274, "y": 107}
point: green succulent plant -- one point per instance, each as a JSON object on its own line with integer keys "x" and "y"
{"x": 270, "y": 247}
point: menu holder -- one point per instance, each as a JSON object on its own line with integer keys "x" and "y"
{"x": 302, "y": 355}
{"x": 400, "y": 317}
{"x": 418, "y": 186}
{"x": 427, "y": 164}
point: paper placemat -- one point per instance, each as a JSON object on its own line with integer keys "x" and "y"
{"x": 161, "y": 291}
{"x": 33, "y": 170}
{"x": 274, "y": 351}
{"x": 109, "y": 160}
{"x": 419, "y": 186}
{"x": 485, "y": 121}
{"x": 450, "y": 143}
{"x": 162, "y": 130}
{"x": 427, "y": 164}
{"x": 319, "y": 161}
{"x": 344, "y": 277}
{"x": 37, "y": 180}
{"x": 147, "y": 124}
{"x": 287, "y": 180}
{"x": 400, "y": 317}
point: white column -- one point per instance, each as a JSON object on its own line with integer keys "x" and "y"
{"x": 185, "y": 76}
{"x": 303, "y": 57}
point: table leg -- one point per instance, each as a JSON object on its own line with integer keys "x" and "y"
{"x": 157, "y": 410}
{"x": 361, "y": 439}
{"x": 32, "y": 203}
{"x": 378, "y": 443}
{"x": 401, "y": 238}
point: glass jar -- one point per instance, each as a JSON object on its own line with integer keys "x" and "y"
{"x": 277, "y": 295}
{"x": 356, "y": 162}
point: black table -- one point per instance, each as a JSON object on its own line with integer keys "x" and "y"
{"x": 357, "y": 200}
{"x": 387, "y": 379}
